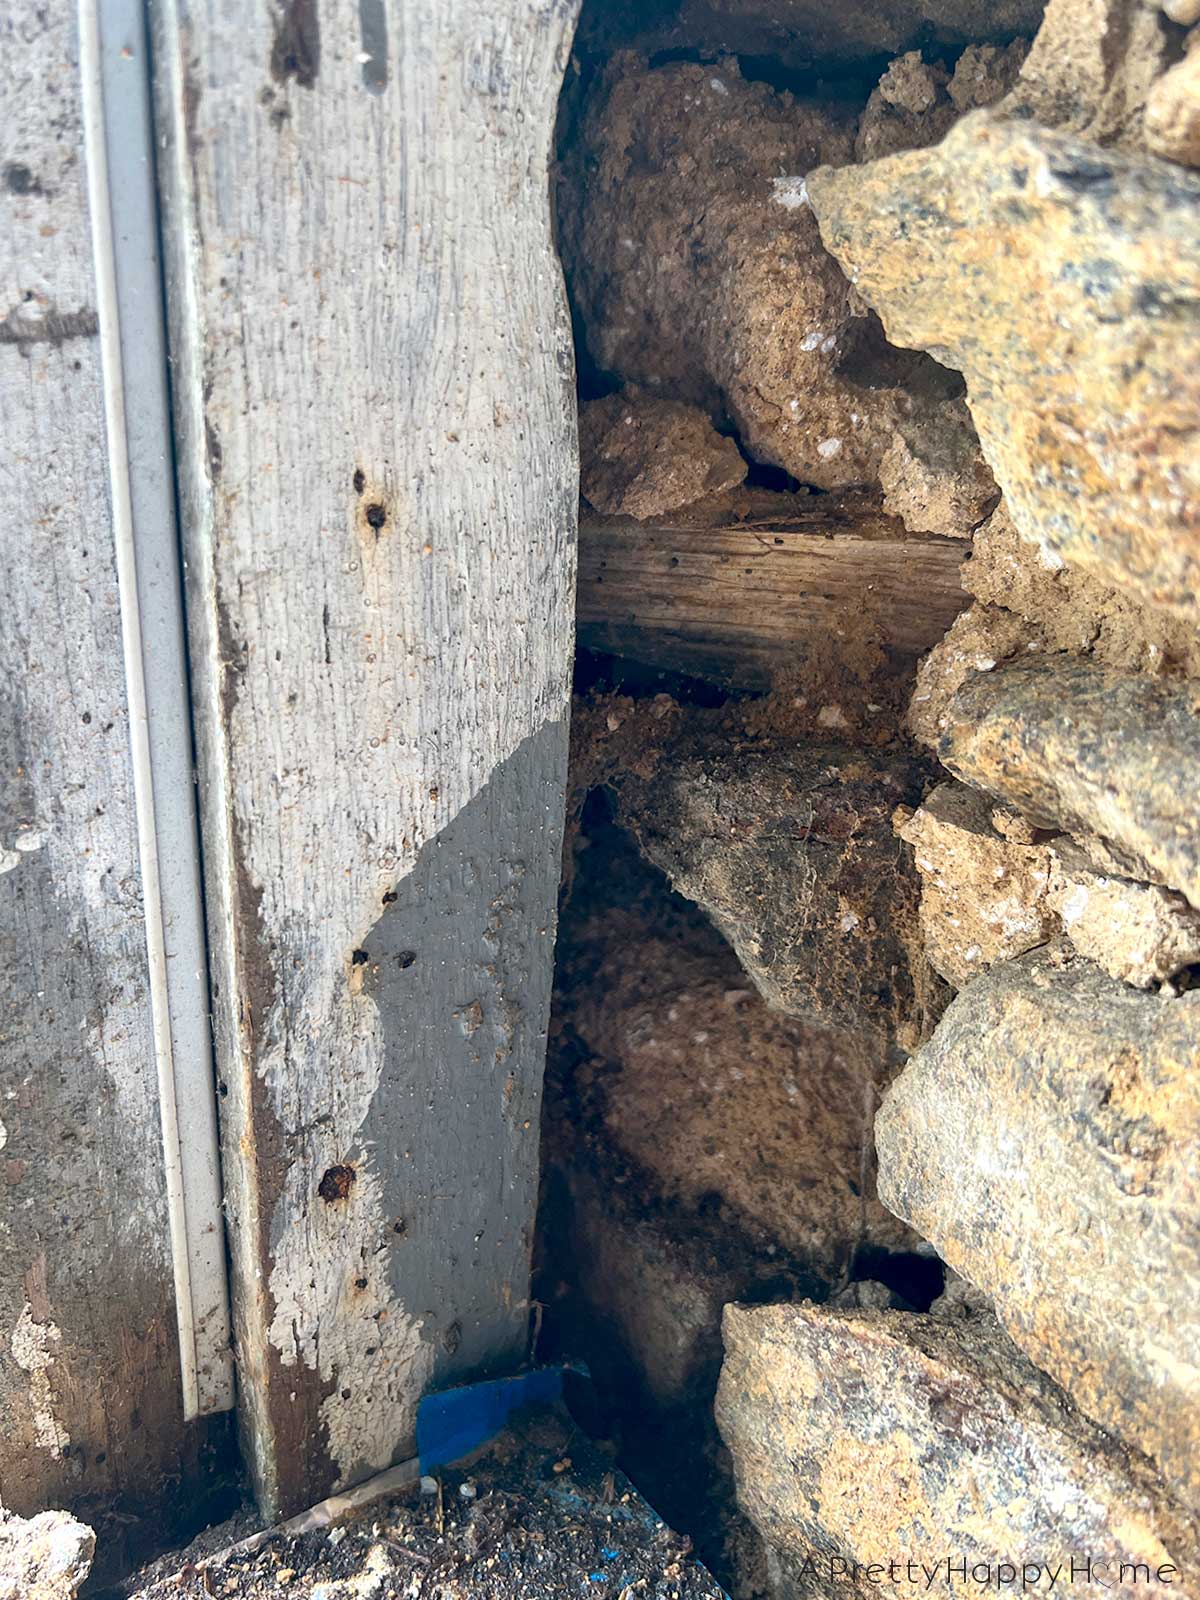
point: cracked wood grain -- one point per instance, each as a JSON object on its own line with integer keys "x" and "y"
{"x": 731, "y": 602}
{"x": 375, "y": 415}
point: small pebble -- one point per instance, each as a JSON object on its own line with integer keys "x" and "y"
{"x": 429, "y": 1486}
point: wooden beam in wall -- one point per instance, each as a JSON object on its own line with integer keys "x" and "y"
{"x": 739, "y": 601}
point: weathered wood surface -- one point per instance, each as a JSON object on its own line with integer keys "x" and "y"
{"x": 89, "y": 1365}
{"x": 737, "y": 602}
{"x": 374, "y": 393}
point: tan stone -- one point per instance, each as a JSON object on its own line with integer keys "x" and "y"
{"x": 1172, "y": 120}
{"x": 874, "y": 1437}
{"x": 1092, "y": 68}
{"x": 641, "y": 457}
{"x": 933, "y": 474}
{"x": 1138, "y": 932}
{"x": 1062, "y": 280}
{"x": 1047, "y": 1142}
{"x": 977, "y": 641}
{"x": 698, "y": 271}
{"x": 1073, "y": 610}
{"x": 1079, "y": 747}
{"x": 984, "y": 898}
{"x": 987, "y": 897}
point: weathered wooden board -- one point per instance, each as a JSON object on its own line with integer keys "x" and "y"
{"x": 736, "y": 603}
{"x": 375, "y": 417}
{"x": 89, "y": 1364}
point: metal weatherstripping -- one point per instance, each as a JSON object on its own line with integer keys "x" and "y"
{"x": 118, "y": 138}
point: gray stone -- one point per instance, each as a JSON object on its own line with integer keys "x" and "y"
{"x": 1076, "y": 746}
{"x": 791, "y": 853}
{"x": 1047, "y": 1142}
{"x": 861, "y": 1439}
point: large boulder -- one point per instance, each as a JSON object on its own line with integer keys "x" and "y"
{"x": 881, "y": 1449}
{"x": 1047, "y": 1141}
{"x": 1064, "y": 282}
{"x": 1076, "y": 746}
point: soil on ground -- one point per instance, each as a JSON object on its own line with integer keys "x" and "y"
{"x": 540, "y": 1515}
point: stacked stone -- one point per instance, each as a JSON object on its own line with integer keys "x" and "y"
{"x": 1046, "y": 1138}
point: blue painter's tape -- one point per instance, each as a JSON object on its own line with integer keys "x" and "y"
{"x": 452, "y": 1424}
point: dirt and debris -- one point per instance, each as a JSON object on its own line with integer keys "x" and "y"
{"x": 697, "y": 270}
{"x": 704, "y": 1098}
{"x": 641, "y": 456}
{"x": 916, "y": 101}
{"x": 541, "y": 1512}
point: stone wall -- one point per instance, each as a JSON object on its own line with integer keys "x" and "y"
{"x": 968, "y": 896}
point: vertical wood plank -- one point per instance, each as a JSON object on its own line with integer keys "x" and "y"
{"x": 89, "y": 1365}
{"x": 375, "y": 419}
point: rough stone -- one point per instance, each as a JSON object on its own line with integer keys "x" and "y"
{"x": 875, "y": 1437}
{"x": 697, "y": 269}
{"x": 1091, "y": 69}
{"x": 46, "y": 1557}
{"x": 977, "y": 641}
{"x": 984, "y": 898}
{"x": 916, "y": 102}
{"x": 790, "y": 852}
{"x": 1073, "y": 610}
{"x": 641, "y": 457}
{"x": 1064, "y": 283}
{"x": 1047, "y": 1142}
{"x": 1137, "y": 932}
{"x": 933, "y": 474}
{"x": 800, "y": 33}
{"x": 1172, "y": 119}
{"x": 1076, "y": 746}
{"x": 987, "y": 896}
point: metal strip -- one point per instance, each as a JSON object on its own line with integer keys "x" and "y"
{"x": 115, "y": 71}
